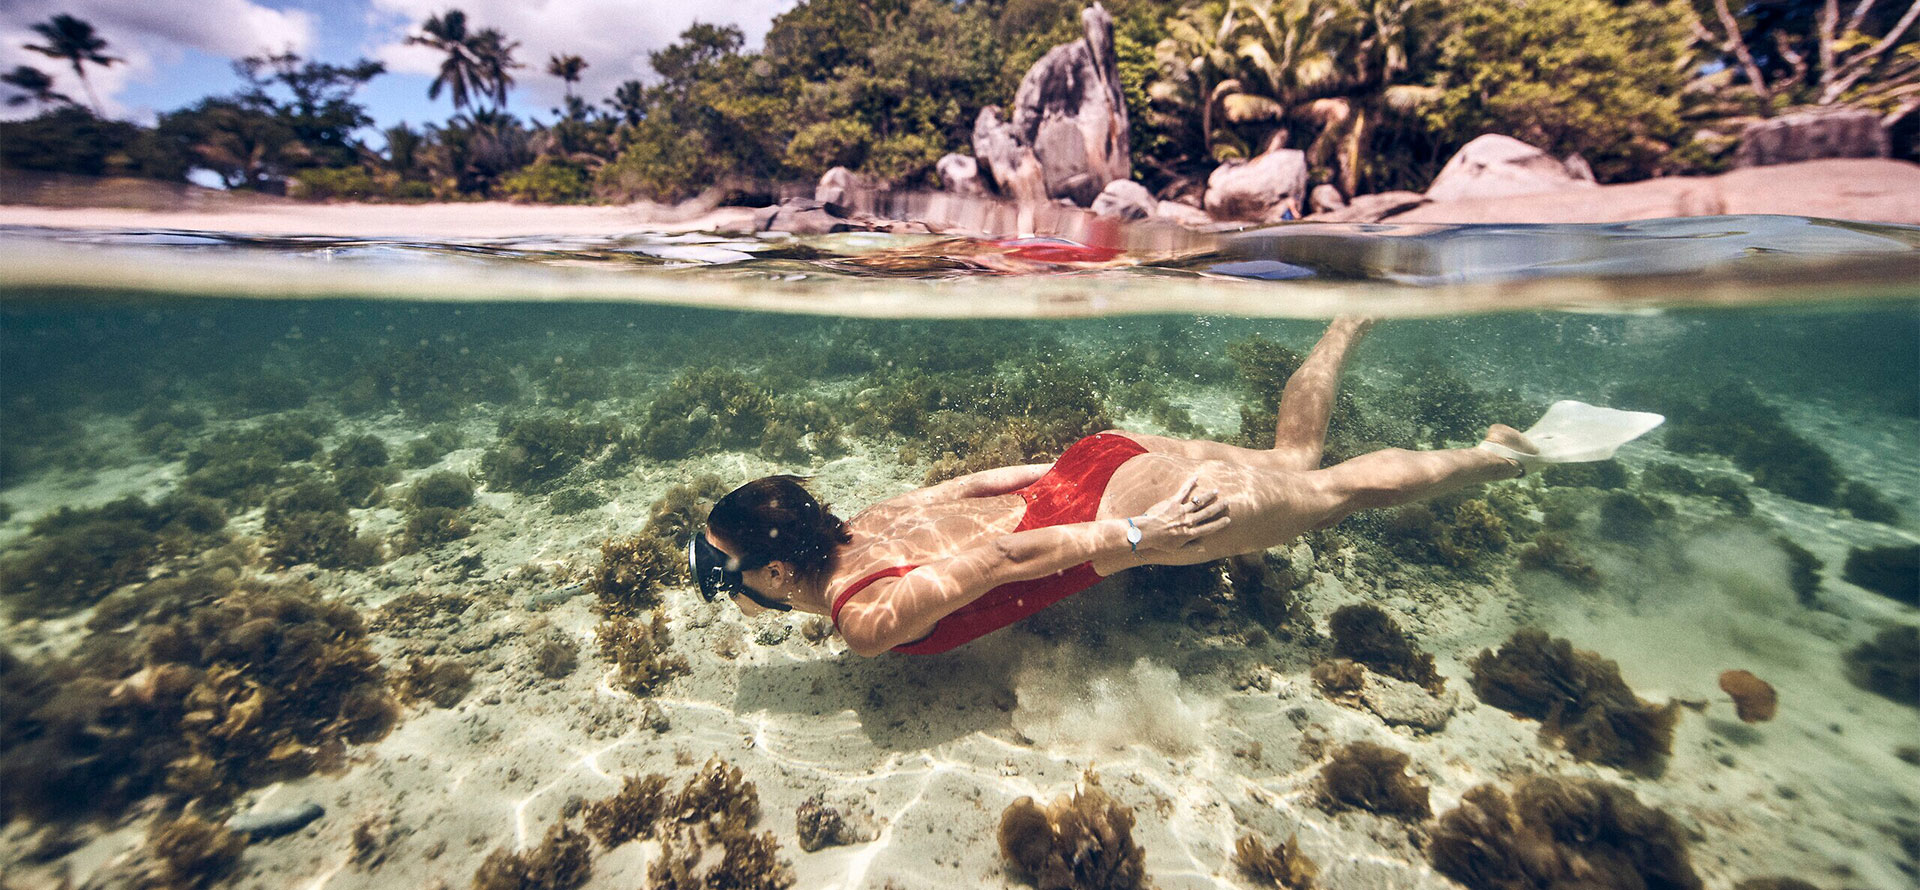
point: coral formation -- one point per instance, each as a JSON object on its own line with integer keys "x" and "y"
{"x": 427, "y": 450}
{"x": 242, "y": 466}
{"x": 1753, "y": 698}
{"x": 631, "y": 813}
{"x": 1889, "y": 571}
{"x": 562, "y": 861}
{"x": 680, "y": 512}
{"x": 1373, "y": 778}
{"x": 442, "y": 682}
{"x": 1282, "y": 865}
{"x": 1889, "y": 664}
{"x": 1557, "y": 832}
{"x": 1367, "y": 634}
{"x": 1457, "y": 535}
{"x": 1081, "y": 842}
{"x": 1578, "y": 697}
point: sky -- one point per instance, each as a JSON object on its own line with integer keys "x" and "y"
{"x": 177, "y": 52}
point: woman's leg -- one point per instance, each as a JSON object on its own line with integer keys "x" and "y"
{"x": 1306, "y": 404}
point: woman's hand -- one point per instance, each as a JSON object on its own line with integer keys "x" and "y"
{"x": 1182, "y": 520}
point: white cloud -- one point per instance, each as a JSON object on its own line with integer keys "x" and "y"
{"x": 613, "y": 36}
{"x": 148, "y": 36}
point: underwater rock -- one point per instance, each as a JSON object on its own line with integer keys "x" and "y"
{"x": 1579, "y": 698}
{"x": 1400, "y": 703}
{"x": 1372, "y": 777}
{"x": 821, "y": 825}
{"x": 262, "y": 824}
{"x": 1555, "y": 833}
{"x": 1082, "y": 842}
{"x": 1282, "y": 866}
{"x": 562, "y": 861}
{"x": 1892, "y": 572}
{"x": 1753, "y": 698}
{"x": 1367, "y": 634}
{"x": 1889, "y": 664}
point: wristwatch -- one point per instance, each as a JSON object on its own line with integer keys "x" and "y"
{"x": 1133, "y": 537}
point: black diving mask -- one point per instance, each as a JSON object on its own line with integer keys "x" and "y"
{"x": 719, "y": 574}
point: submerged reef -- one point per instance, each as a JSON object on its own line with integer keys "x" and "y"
{"x": 1892, "y": 572}
{"x": 1367, "y": 634}
{"x": 1282, "y": 865}
{"x": 1373, "y": 777}
{"x": 1579, "y": 698}
{"x": 1555, "y": 833}
{"x": 1889, "y": 664}
{"x": 71, "y": 558}
{"x": 1078, "y": 842}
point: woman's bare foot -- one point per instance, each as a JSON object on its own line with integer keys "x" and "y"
{"x": 1512, "y": 441}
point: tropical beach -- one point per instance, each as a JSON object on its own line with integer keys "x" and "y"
{"x": 347, "y": 489}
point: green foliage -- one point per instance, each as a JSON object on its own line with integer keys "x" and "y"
{"x": 1547, "y": 71}
{"x": 70, "y": 139}
{"x": 546, "y": 181}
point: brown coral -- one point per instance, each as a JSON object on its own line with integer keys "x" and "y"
{"x": 1082, "y": 842}
{"x": 1753, "y": 698}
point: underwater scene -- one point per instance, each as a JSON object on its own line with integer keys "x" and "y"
{"x": 340, "y": 564}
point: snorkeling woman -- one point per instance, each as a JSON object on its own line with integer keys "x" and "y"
{"x": 935, "y": 568}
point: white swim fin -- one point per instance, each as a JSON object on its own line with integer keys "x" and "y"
{"x": 1575, "y": 432}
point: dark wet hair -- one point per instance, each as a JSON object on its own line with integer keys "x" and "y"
{"x": 775, "y": 518}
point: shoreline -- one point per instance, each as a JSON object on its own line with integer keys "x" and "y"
{"x": 1860, "y": 190}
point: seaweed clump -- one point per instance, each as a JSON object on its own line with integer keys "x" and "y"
{"x": 1458, "y": 537}
{"x": 1367, "y": 634}
{"x": 1553, "y": 552}
{"x": 1889, "y": 664}
{"x": 444, "y": 683}
{"x": 1282, "y": 865}
{"x": 1579, "y": 698}
{"x": 1557, "y": 832}
{"x": 189, "y": 853}
{"x": 75, "y": 557}
{"x": 562, "y": 861}
{"x": 1892, "y": 572}
{"x": 236, "y": 687}
{"x": 633, "y": 569}
{"x": 1373, "y": 778}
{"x": 715, "y": 806}
{"x": 705, "y": 410}
{"x": 533, "y": 453}
{"x": 1734, "y": 421}
{"x": 638, "y": 649}
{"x": 308, "y": 522}
{"x": 1082, "y": 842}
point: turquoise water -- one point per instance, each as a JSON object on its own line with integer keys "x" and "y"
{"x": 363, "y": 469}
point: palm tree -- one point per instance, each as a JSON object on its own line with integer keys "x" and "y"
{"x": 1193, "y": 60}
{"x": 461, "y": 72}
{"x": 495, "y": 54}
{"x": 71, "y": 39}
{"x": 567, "y": 68}
{"x": 36, "y": 85}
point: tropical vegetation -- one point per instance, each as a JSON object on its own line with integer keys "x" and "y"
{"x": 1377, "y": 93}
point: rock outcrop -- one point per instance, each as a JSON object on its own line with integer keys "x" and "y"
{"x": 1373, "y": 208}
{"x": 1494, "y": 166}
{"x": 1268, "y": 189}
{"x": 1812, "y": 135}
{"x": 960, "y": 175}
{"x": 1125, "y": 199}
{"x": 1068, "y": 135}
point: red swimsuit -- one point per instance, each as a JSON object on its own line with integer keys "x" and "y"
{"x": 1069, "y": 492}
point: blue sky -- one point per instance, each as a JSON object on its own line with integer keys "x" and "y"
{"x": 178, "y": 51}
